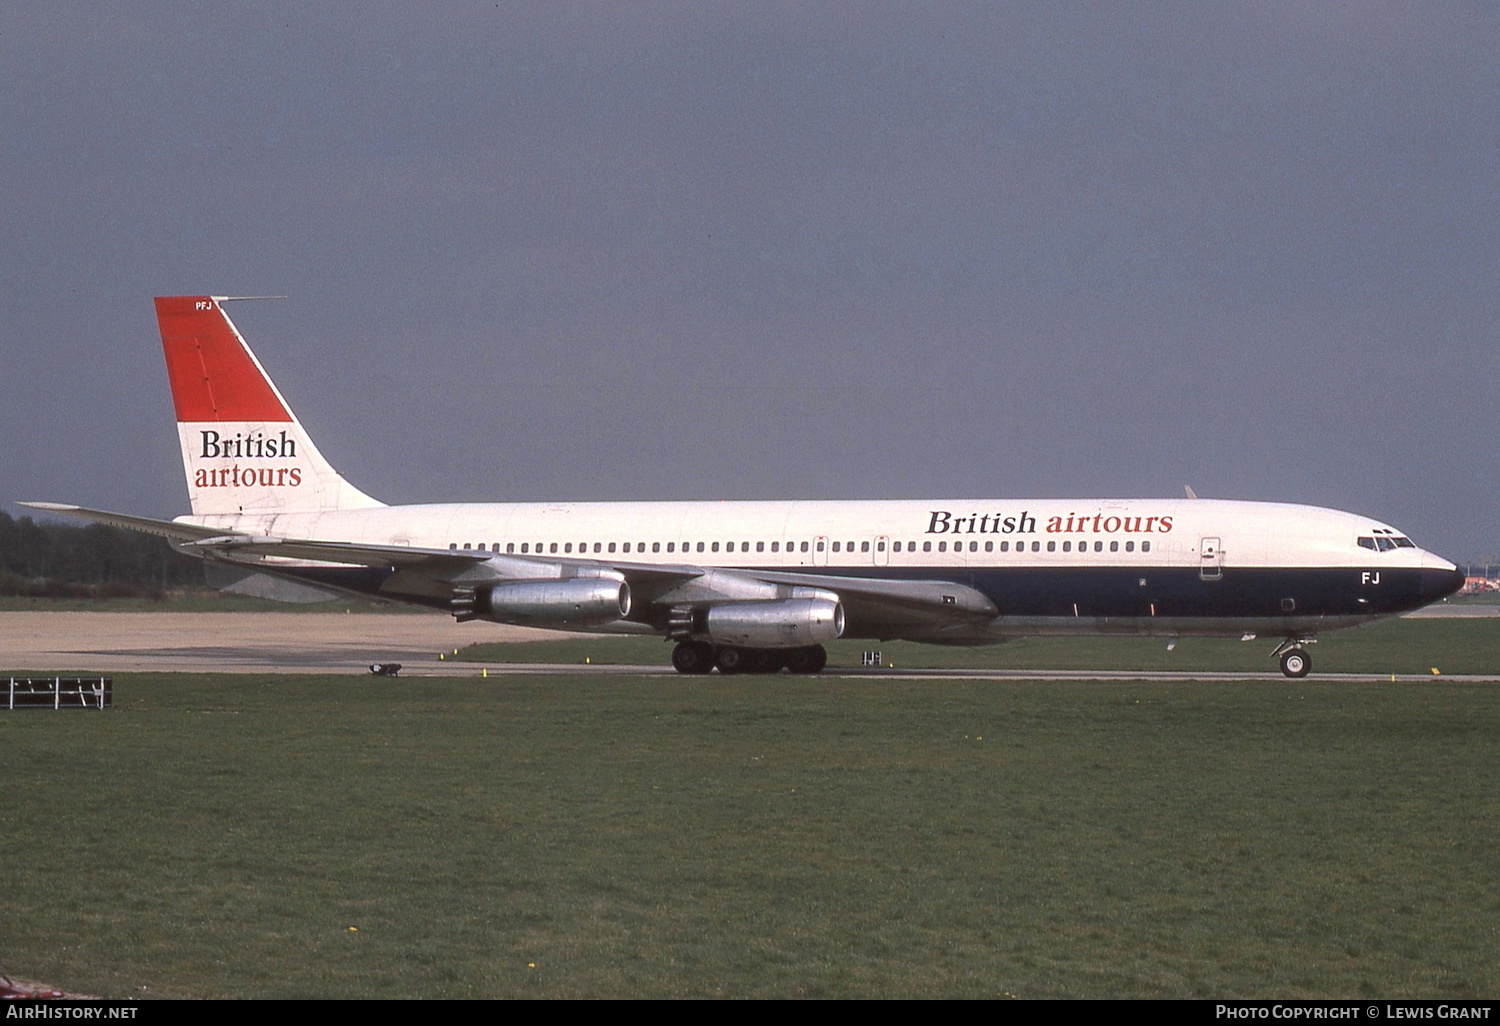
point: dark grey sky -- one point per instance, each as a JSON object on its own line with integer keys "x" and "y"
{"x": 641, "y": 250}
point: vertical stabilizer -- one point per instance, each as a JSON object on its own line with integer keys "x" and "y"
{"x": 242, "y": 449}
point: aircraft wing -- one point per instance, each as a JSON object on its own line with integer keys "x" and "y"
{"x": 880, "y": 606}
{"x": 237, "y": 546}
{"x": 443, "y": 564}
{"x": 890, "y": 608}
{"x": 231, "y": 544}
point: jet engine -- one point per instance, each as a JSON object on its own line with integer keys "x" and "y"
{"x": 571, "y": 603}
{"x": 787, "y": 623}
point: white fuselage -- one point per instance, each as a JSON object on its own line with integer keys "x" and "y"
{"x": 964, "y": 534}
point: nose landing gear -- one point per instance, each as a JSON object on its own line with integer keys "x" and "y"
{"x": 1295, "y": 662}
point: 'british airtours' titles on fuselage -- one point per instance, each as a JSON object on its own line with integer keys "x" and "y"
{"x": 251, "y": 445}
{"x": 945, "y": 522}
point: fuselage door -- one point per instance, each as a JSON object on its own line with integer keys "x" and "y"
{"x": 820, "y": 550}
{"x": 1210, "y": 559}
{"x": 882, "y": 553}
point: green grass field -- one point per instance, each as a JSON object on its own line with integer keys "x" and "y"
{"x": 646, "y": 837}
{"x": 1393, "y": 646}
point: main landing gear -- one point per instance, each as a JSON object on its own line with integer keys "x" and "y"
{"x": 1295, "y": 662}
{"x": 701, "y": 657}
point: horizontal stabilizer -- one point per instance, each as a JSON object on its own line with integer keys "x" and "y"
{"x": 165, "y": 528}
{"x": 352, "y": 553}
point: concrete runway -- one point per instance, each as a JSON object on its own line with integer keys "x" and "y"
{"x": 62, "y": 642}
{"x": 1466, "y": 610}
{"x": 241, "y": 642}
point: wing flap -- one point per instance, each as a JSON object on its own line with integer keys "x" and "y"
{"x": 880, "y": 600}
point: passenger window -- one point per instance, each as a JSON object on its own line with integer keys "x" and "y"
{"x": 1067, "y": 546}
{"x": 820, "y": 546}
{"x": 989, "y": 546}
{"x": 1005, "y": 546}
{"x": 611, "y": 546}
{"x": 700, "y": 546}
{"x": 1098, "y": 546}
{"x": 804, "y": 546}
{"x": 553, "y": 549}
{"x": 568, "y": 547}
{"x": 1130, "y": 546}
{"x": 523, "y": 548}
{"x": 671, "y": 546}
{"x": 1051, "y": 546}
{"x": 1145, "y": 546}
{"x": 1114, "y": 546}
{"x": 927, "y": 546}
{"x": 598, "y": 547}
{"x": 973, "y": 546}
{"x": 880, "y": 546}
{"x": 865, "y": 547}
{"x": 625, "y": 547}
{"x": 835, "y": 546}
{"x": 1037, "y": 546}
{"x": 467, "y": 546}
{"x": 656, "y": 546}
{"x": 776, "y": 546}
{"x": 510, "y": 546}
{"x": 760, "y": 546}
{"x": 942, "y": 546}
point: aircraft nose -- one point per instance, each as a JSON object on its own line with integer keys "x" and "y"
{"x": 1438, "y": 582}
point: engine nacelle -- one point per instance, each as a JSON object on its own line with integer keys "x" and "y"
{"x": 574, "y": 602}
{"x": 787, "y": 623}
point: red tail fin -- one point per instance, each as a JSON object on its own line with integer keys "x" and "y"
{"x": 243, "y": 451}
{"x": 214, "y": 376}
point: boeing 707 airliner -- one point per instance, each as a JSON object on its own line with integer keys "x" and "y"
{"x": 756, "y": 587}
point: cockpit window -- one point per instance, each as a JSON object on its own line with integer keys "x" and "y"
{"x": 1385, "y": 543}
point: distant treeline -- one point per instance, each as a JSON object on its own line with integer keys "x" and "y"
{"x": 49, "y": 560}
